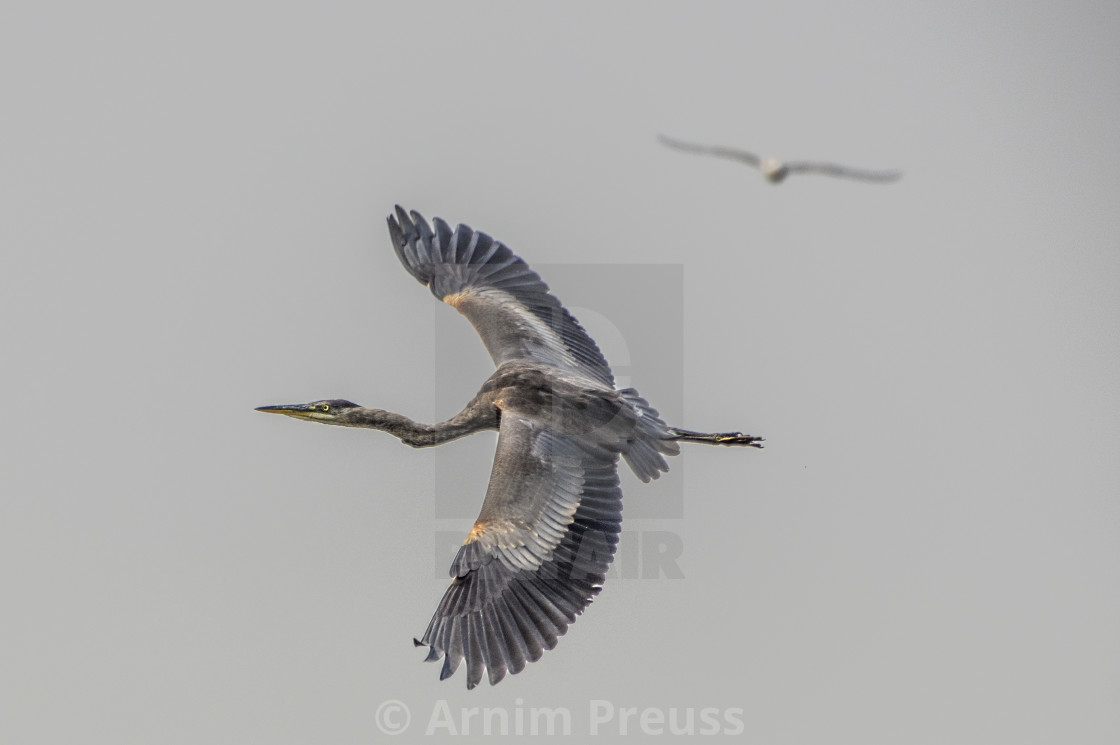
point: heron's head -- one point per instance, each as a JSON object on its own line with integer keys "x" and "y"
{"x": 333, "y": 411}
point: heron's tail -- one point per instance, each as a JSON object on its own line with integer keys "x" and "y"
{"x": 651, "y": 440}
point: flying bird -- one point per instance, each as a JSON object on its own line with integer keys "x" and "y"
{"x": 775, "y": 170}
{"x": 550, "y": 521}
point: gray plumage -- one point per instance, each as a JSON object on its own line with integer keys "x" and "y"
{"x": 546, "y": 534}
{"x": 775, "y": 170}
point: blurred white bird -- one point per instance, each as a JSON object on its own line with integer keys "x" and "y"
{"x": 775, "y": 170}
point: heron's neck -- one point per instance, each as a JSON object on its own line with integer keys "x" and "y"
{"x": 413, "y": 433}
{"x": 395, "y": 424}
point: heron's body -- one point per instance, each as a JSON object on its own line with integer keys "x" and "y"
{"x": 546, "y": 533}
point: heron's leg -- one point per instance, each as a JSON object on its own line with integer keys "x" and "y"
{"x": 715, "y": 438}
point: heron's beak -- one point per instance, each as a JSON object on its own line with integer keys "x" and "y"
{"x": 299, "y": 411}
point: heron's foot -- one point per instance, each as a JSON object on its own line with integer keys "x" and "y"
{"x": 717, "y": 438}
{"x": 738, "y": 438}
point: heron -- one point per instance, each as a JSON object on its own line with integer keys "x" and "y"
{"x": 775, "y": 170}
{"x": 551, "y": 517}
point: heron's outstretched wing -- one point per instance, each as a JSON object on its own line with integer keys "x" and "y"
{"x": 720, "y": 152}
{"x": 506, "y": 301}
{"x": 535, "y": 557}
{"x": 832, "y": 169}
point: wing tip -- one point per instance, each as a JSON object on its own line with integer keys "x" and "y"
{"x": 408, "y": 238}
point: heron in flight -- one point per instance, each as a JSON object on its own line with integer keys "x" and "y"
{"x": 775, "y": 170}
{"x": 550, "y": 521}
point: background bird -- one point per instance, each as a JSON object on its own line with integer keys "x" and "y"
{"x": 550, "y": 521}
{"x": 775, "y": 170}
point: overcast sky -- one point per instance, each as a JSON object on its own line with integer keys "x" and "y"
{"x": 927, "y": 551}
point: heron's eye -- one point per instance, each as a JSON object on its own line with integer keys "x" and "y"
{"x": 326, "y": 407}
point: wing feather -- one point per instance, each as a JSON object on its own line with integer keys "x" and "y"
{"x": 717, "y": 150}
{"x": 839, "y": 171}
{"x": 537, "y": 555}
{"x": 506, "y": 301}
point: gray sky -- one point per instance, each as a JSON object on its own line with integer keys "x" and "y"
{"x": 928, "y": 551}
